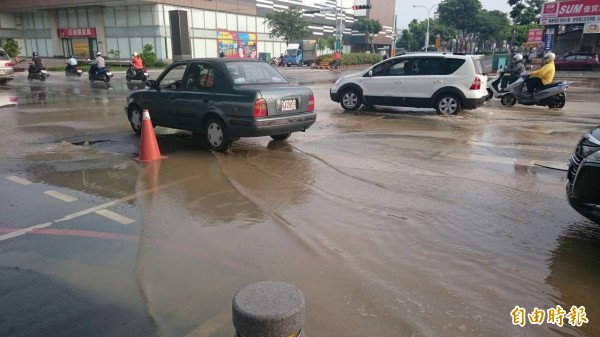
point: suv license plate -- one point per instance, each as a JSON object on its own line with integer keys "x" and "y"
{"x": 288, "y": 104}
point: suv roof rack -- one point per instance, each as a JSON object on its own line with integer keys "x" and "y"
{"x": 457, "y": 53}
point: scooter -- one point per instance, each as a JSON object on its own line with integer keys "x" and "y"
{"x": 140, "y": 74}
{"x": 40, "y": 74}
{"x": 493, "y": 86}
{"x": 551, "y": 95}
{"x": 73, "y": 71}
{"x": 274, "y": 62}
{"x": 104, "y": 75}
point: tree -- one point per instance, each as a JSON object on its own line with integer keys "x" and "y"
{"x": 148, "y": 56}
{"x": 460, "y": 14}
{"x": 326, "y": 43}
{"x": 494, "y": 27}
{"x": 370, "y": 28}
{"x": 287, "y": 24}
{"x": 12, "y": 48}
{"x": 525, "y": 12}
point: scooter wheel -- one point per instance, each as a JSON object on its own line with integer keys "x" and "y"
{"x": 106, "y": 79}
{"x": 43, "y": 78}
{"x": 561, "y": 100}
{"x": 30, "y": 77}
{"x": 508, "y": 100}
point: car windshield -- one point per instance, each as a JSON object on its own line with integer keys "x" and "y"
{"x": 290, "y": 52}
{"x": 244, "y": 73}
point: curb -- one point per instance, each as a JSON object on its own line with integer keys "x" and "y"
{"x": 327, "y": 67}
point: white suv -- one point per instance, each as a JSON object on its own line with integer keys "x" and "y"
{"x": 6, "y": 67}
{"x": 447, "y": 82}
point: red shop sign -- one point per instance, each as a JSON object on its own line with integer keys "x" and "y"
{"x": 67, "y": 33}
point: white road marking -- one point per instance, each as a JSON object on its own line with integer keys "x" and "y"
{"x": 18, "y": 180}
{"x": 114, "y": 216}
{"x": 60, "y": 196}
{"x": 23, "y": 231}
{"x": 96, "y": 208}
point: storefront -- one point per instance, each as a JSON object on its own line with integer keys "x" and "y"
{"x": 80, "y": 42}
{"x": 571, "y": 26}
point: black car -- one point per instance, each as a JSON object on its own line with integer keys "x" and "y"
{"x": 224, "y": 99}
{"x": 583, "y": 186}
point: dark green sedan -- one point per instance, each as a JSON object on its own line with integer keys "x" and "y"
{"x": 224, "y": 100}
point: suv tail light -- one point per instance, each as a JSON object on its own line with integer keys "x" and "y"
{"x": 476, "y": 85}
{"x": 9, "y": 64}
{"x": 260, "y": 108}
{"x": 311, "y": 103}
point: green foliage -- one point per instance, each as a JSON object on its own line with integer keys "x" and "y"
{"x": 493, "y": 26}
{"x": 287, "y": 24}
{"x": 351, "y": 59}
{"x": 369, "y": 27}
{"x": 326, "y": 43}
{"x": 460, "y": 14}
{"x": 114, "y": 53}
{"x": 525, "y": 12}
{"x": 148, "y": 56}
{"x": 12, "y": 48}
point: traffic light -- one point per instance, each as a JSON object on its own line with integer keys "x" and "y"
{"x": 357, "y": 7}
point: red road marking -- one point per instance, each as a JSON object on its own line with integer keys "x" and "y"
{"x": 74, "y": 232}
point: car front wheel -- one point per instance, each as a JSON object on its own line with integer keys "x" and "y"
{"x": 350, "y": 100}
{"x": 216, "y": 135}
{"x": 135, "y": 119}
{"x": 447, "y": 104}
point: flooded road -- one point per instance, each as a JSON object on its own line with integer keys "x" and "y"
{"x": 393, "y": 222}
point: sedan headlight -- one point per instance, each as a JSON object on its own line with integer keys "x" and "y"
{"x": 589, "y": 146}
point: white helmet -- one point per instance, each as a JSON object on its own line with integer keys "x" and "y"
{"x": 518, "y": 57}
{"x": 98, "y": 53}
{"x": 135, "y": 53}
{"x": 549, "y": 57}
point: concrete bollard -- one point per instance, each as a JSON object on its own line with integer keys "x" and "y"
{"x": 268, "y": 309}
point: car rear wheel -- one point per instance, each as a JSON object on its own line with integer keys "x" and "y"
{"x": 216, "y": 135}
{"x": 508, "y": 100}
{"x": 350, "y": 100}
{"x": 281, "y": 137}
{"x": 135, "y": 119}
{"x": 447, "y": 104}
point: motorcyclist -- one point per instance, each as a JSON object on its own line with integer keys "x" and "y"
{"x": 281, "y": 59}
{"x": 71, "y": 63}
{"x": 513, "y": 71}
{"x": 137, "y": 63}
{"x": 99, "y": 62}
{"x": 542, "y": 76}
{"x": 38, "y": 63}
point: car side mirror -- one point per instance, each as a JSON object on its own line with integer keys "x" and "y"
{"x": 151, "y": 84}
{"x": 370, "y": 73}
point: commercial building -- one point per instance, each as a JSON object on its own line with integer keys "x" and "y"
{"x": 174, "y": 28}
{"x": 571, "y": 25}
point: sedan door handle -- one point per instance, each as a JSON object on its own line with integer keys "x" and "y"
{"x": 438, "y": 81}
{"x": 399, "y": 81}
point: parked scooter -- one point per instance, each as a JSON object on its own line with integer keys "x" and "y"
{"x": 551, "y": 95}
{"x": 94, "y": 74}
{"x": 74, "y": 71}
{"x": 140, "y": 74}
{"x": 40, "y": 74}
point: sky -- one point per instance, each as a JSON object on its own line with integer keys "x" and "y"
{"x": 406, "y": 13}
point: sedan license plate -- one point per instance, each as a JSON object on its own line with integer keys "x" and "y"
{"x": 288, "y": 104}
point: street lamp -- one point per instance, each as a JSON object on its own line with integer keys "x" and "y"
{"x": 426, "y": 34}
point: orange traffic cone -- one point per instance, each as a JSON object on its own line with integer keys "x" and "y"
{"x": 149, "y": 150}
